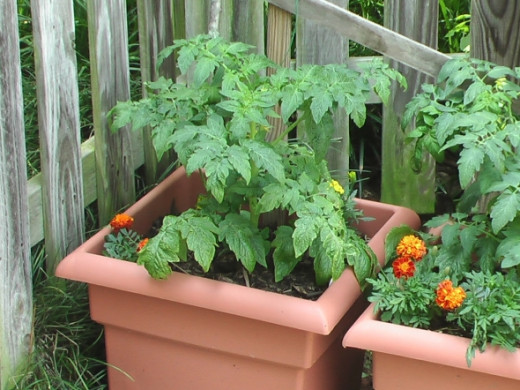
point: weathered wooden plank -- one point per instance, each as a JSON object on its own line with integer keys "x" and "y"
{"x": 155, "y": 33}
{"x": 279, "y": 30}
{"x": 319, "y": 44}
{"x": 400, "y": 185}
{"x": 243, "y": 21}
{"x": 88, "y": 162}
{"x": 15, "y": 263}
{"x": 58, "y": 119}
{"x": 494, "y": 31}
{"x": 238, "y": 20}
{"x": 494, "y": 37}
{"x": 197, "y": 17}
{"x": 108, "y": 41}
{"x": 372, "y": 35}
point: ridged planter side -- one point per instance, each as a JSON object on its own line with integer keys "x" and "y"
{"x": 189, "y": 332}
{"x": 407, "y": 358}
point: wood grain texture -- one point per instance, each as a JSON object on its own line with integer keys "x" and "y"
{"x": 279, "y": 31}
{"x": 15, "y": 263}
{"x": 58, "y": 119}
{"x": 317, "y": 43}
{"x": 156, "y": 31}
{"x": 416, "y": 19}
{"x": 372, "y": 35}
{"x": 495, "y": 32}
{"x": 108, "y": 41}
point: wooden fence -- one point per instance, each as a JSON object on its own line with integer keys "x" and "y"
{"x": 51, "y": 205}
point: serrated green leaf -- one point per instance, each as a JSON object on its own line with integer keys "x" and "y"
{"x": 204, "y": 69}
{"x": 504, "y": 210}
{"x": 304, "y": 234}
{"x": 320, "y": 104}
{"x": 239, "y": 160}
{"x": 200, "y": 235}
{"x": 265, "y": 157}
{"x": 186, "y": 57}
{"x": 469, "y": 163}
{"x": 283, "y": 255}
{"x": 292, "y": 99}
{"x": 167, "y": 246}
{"x": 322, "y": 266}
{"x": 244, "y": 239}
{"x": 272, "y": 198}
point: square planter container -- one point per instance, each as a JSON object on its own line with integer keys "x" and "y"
{"x": 193, "y": 333}
{"x": 407, "y": 358}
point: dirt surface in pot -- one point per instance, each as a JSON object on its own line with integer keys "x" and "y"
{"x": 300, "y": 283}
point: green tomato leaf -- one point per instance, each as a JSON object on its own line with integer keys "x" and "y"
{"x": 239, "y": 159}
{"x": 283, "y": 255}
{"x": 504, "y": 210}
{"x": 264, "y": 156}
{"x": 200, "y": 235}
{"x": 469, "y": 163}
{"x": 244, "y": 239}
{"x": 167, "y": 246}
{"x": 305, "y": 232}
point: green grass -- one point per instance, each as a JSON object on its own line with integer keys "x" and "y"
{"x": 68, "y": 350}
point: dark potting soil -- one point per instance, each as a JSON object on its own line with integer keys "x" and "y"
{"x": 300, "y": 283}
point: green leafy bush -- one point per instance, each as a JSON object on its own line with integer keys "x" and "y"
{"x": 468, "y": 282}
{"x": 218, "y": 124}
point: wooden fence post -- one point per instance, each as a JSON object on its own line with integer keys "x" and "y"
{"x": 495, "y": 32}
{"x": 239, "y": 20}
{"x": 15, "y": 263}
{"x": 156, "y": 31}
{"x": 494, "y": 26}
{"x": 58, "y": 119}
{"x": 319, "y": 44}
{"x": 400, "y": 184}
{"x": 108, "y": 41}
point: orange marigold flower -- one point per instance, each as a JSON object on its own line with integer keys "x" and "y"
{"x": 449, "y": 297}
{"x": 121, "y": 221}
{"x": 411, "y": 246}
{"x": 142, "y": 244}
{"x": 404, "y": 267}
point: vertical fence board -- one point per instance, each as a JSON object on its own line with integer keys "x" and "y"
{"x": 494, "y": 31}
{"x": 245, "y": 21}
{"x": 156, "y": 31}
{"x": 400, "y": 184}
{"x": 58, "y": 119}
{"x": 108, "y": 41}
{"x": 494, "y": 26}
{"x": 319, "y": 44}
{"x": 15, "y": 263}
{"x": 279, "y": 30}
{"x": 196, "y": 17}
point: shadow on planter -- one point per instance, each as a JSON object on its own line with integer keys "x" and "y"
{"x": 189, "y": 332}
{"x": 407, "y": 358}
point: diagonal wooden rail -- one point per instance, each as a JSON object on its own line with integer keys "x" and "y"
{"x": 369, "y": 34}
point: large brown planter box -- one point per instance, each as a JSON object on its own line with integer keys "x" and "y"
{"x": 193, "y": 333}
{"x": 408, "y": 358}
